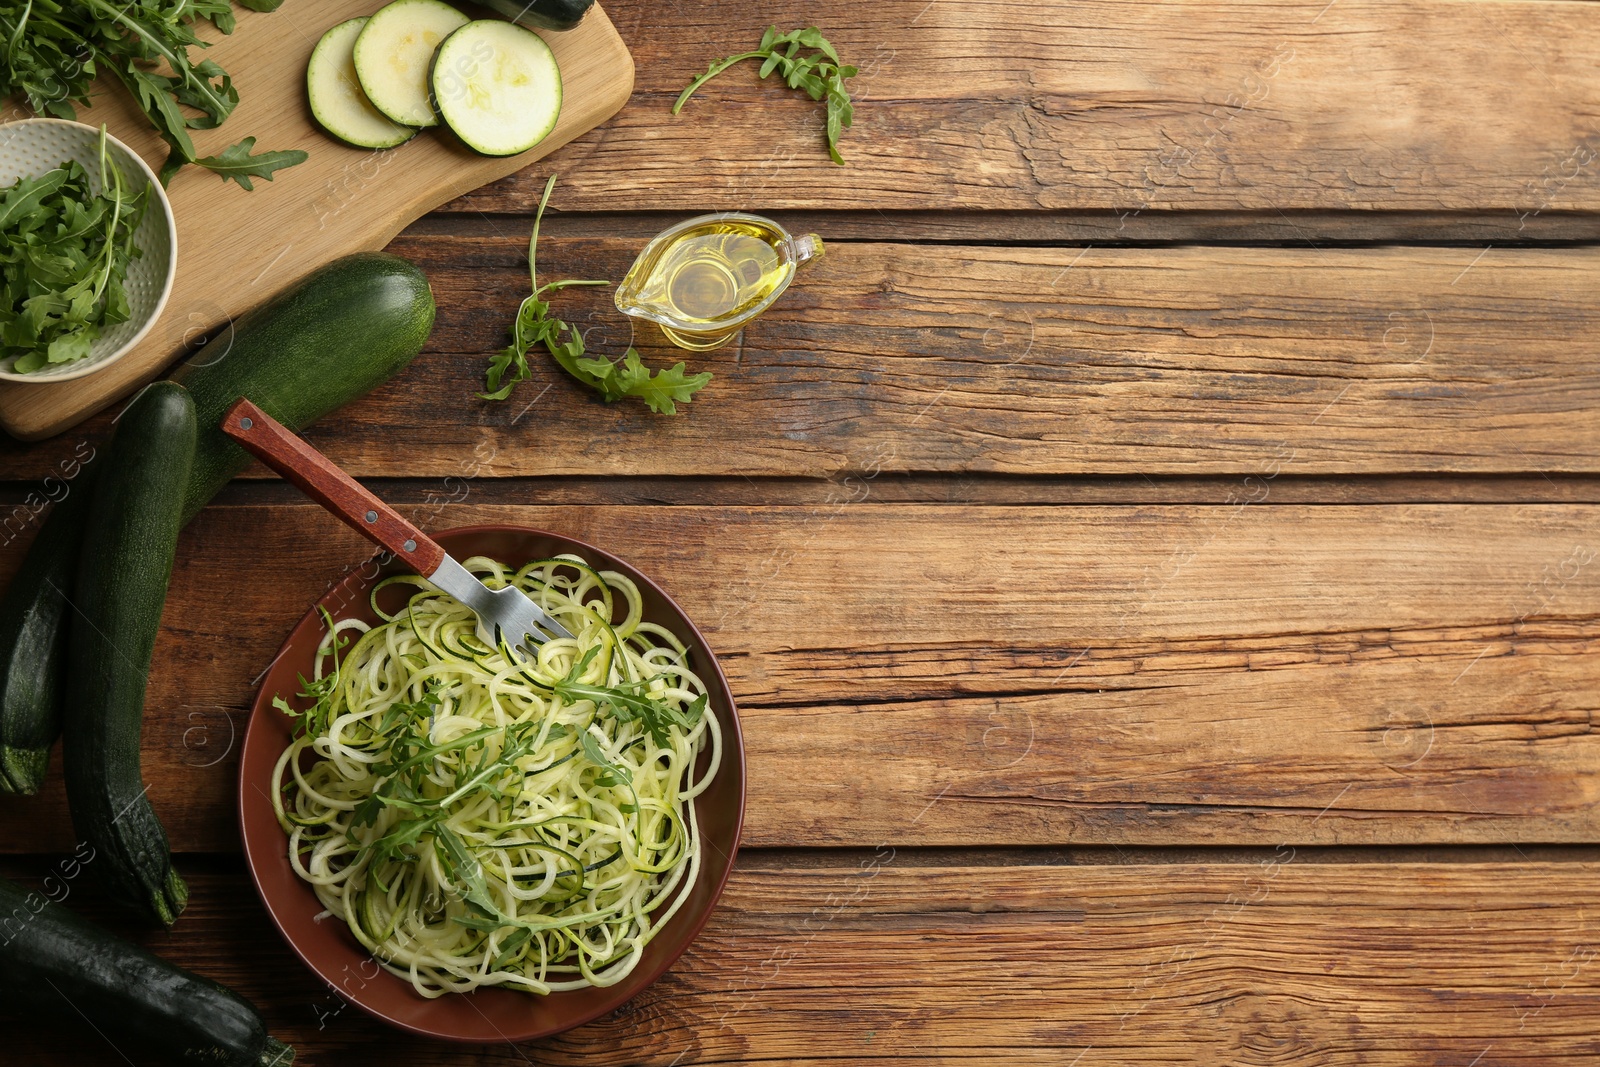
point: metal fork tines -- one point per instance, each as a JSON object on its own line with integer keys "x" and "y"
{"x": 502, "y": 613}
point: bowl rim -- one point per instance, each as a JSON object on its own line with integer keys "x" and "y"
{"x": 622, "y": 991}
{"x": 166, "y": 285}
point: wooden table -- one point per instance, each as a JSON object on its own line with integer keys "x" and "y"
{"x": 1155, "y": 550}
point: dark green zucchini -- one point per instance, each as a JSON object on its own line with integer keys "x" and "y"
{"x": 334, "y": 336}
{"x": 129, "y": 544}
{"x": 58, "y": 964}
{"x": 33, "y": 649}
{"x": 543, "y": 14}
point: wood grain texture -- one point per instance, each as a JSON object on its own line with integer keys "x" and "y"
{"x": 1114, "y": 105}
{"x": 238, "y": 248}
{"x": 1025, "y": 676}
{"x": 1245, "y": 965}
{"x": 1022, "y": 362}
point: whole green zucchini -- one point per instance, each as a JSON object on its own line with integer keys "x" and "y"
{"x": 129, "y": 544}
{"x": 56, "y": 963}
{"x": 543, "y": 14}
{"x": 340, "y": 332}
{"x": 32, "y": 653}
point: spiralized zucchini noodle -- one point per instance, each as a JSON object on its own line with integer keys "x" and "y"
{"x": 478, "y": 820}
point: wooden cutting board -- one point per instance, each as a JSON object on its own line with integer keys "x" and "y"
{"x": 238, "y": 248}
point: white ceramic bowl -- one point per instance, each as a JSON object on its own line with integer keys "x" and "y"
{"x": 33, "y": 147}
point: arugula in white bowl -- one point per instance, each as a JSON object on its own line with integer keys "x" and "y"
{"x": 64, "y": 255}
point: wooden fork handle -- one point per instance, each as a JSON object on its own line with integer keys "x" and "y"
{"x": 277, "y": 446}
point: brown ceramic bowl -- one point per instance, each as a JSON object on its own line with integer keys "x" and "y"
{"x": 329, "y": 949}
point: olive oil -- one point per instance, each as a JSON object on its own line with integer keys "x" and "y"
{"x": 702, "y": 280}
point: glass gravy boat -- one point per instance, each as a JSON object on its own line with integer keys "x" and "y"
{"x": 705, "y": 279}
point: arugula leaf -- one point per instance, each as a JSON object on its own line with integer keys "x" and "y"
{"x": 630, "y": 377}
{"x": 463, "y": 867}
{"x": 821, "y": 76}
{"x": 406, "y": 784}
{"x": 660, "y": 390}
{"x": 69, "y": 346}
{"x": 26, "y": 197}
{"x": 458, "y": 861}
{"x": 510, "y": 945}
{"x": 615, "y": 774}
{"x": 237, "y": 164}
{"x": 534, "y": 325}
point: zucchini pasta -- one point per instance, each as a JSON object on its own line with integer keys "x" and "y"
{"x": 478, "y": 820}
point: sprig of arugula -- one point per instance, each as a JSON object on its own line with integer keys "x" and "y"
{"x": 614, "y": 380}
{"x": 819, "y": 73}
{"x": 631, "y": 702}
{"x": 52, "y": 50}
{"x": 320, "y": 691}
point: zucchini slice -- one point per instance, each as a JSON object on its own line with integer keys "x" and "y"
{"x": 337, "y": 100}
{"x": 497, "y": 85}
{"x": 392, "y": 53}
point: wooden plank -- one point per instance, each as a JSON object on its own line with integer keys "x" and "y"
{"x": 1022, "y": 362}
{"x": 1114, "y": 104}
{"x": 888, "y": 488}
{"x": 1262, "y": 963}
{"x": 1294, "y": 228}
{"x": 1126, "y": 361}
{"x": 1057, "y": 361}
{"x": 1026, "y": 676}
{"x": 24, "y": 504}
{"x": 239, "y": 248}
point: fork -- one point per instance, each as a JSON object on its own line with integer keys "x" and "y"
{"x": 504, "y": 615}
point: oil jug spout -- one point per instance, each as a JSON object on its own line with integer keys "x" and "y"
{"x": 629, "y": 300}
